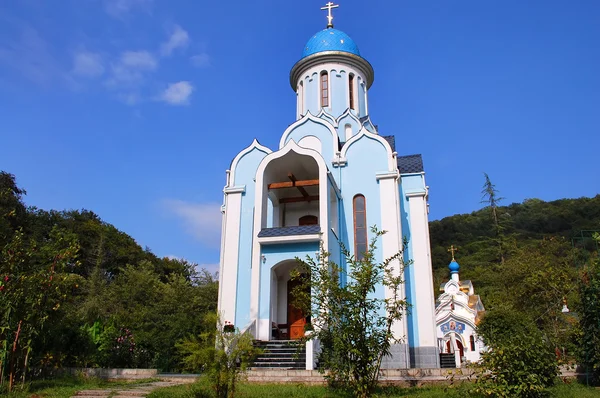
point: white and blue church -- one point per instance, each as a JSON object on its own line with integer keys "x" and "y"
{"x": 332, "y": 176}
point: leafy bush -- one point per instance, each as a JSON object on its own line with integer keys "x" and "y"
{"x": 223, "y": 362}
{"x": 590, "y": 319}
{"x": 353, "y": 325}
{"x": 519, "y": 362}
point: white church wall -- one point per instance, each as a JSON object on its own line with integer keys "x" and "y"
{"x": 229, "y": 268}
{"x": 391, "y": 242}
{"x": 311, "y": 142}
{"x": 293, "y": 212}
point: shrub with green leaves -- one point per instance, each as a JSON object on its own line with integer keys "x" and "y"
{"x": 221, "y": 354}
{"x": 519, "y": 361}
{"x": 352, "y": 323}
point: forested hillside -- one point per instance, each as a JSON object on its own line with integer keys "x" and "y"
{"x": 532, "y": 260}
{"x": 76, "y": 291}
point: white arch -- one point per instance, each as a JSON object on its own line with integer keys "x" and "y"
{"x": 369, "y": 122}
{"x": 306, "y": 118}
{"x": 364, "y": 133}
{"x": 255, "y": 145}
{"x": 322, "y": 114}
{"x": 260, "y": 208}
{"x": 348, "y": 113}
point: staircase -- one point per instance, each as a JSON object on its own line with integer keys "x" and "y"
{"x": 280, "y": 354}
{"x": 447, "y": 361}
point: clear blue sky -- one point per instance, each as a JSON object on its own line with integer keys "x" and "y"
{"x": 134, "y": 108}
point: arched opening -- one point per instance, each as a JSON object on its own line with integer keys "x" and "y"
{"x": 292, "y": 191}
{"x": 288, "y": 320}
{"x": 459, "y": 346}
{"x": 324, "y": 89}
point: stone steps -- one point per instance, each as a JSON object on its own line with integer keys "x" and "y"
{"x": 280, "y": 354}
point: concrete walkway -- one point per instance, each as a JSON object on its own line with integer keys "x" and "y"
{"x": 136, "y": 390}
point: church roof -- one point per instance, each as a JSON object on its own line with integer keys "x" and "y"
{"x": 330, "y": 40}
{"x": 406, "y": 164}
{"x": 410, "y": 164}
{"x": 288, "y": 231}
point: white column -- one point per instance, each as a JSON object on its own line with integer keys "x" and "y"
{"x": 230, "y": 245}
{"x": 391, "y": 241}
{"x": 424, "y": 305}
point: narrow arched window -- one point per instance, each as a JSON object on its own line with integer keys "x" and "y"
{"x": 351, "y": 91}
{"x": 360, "y": 227}
{"x": 324, "y": 89}
{"x": 301, "y": 98}
{"x": 472, "y": 341}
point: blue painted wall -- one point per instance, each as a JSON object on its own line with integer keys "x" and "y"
{"x": 244, "y": 175}
{"x": 339, "y": 92}
{"x": 366, "y": 157}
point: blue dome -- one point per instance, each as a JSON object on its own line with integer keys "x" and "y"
{"x": 454, "y": 267}
{"x": 330, "y": 40}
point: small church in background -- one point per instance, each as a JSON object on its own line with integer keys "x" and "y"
{"x": 458, "y": 311}
{"x": 332, "y": 176}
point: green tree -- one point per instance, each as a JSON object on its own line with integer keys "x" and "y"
{"x": 36, "y": 280}
{"x": 352, "y": 322}
{"x": 519, "y": 361}
{"x": 590, "y": 318}
{"x": 492, "y": 199}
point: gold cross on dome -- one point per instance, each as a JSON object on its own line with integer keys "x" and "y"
{"x": 329, "y": 6}
{"x": 452, "y": 249}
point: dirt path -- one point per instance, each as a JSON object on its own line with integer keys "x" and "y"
{"x": 137, "y": 390}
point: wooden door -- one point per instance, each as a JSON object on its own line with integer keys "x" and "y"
{"x": 295, "y": 316}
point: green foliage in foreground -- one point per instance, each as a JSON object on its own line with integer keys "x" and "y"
{"x": 245, "y": 390}
{"x": 347, "y": 317}
{"x": 519, "y": 361}
{"x": 222, "y": 354}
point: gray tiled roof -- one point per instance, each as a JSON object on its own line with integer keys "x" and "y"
{"x": 410, "y": 164}
{"x": 288, "y": 231}
{"x": 391, "y": 140}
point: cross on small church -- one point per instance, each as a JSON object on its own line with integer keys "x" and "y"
{"x": 452, "y": 249}
{"x": 329, "y": 6}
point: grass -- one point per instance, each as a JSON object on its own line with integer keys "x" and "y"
{"x": 202, "y": 390}
{"x": 65, "y": 387}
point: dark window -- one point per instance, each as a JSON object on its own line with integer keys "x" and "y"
{"x": 308, "y": 220}
{"x": 324, "y": 89}
{"x": 472, "y": 341}
{"x": 351, "y": 91}
{"x": 360, "y": 227}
